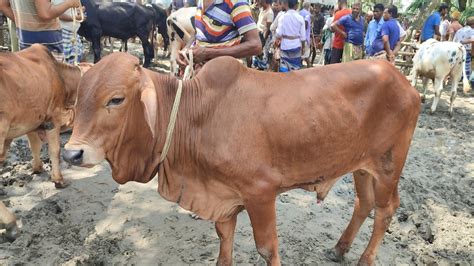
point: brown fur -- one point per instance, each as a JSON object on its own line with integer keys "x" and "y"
{"x": 35, "y": 92}
{"x": 243, "y": 136}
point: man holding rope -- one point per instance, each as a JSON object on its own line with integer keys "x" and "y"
{"x": 37, "y": 22}
{"x": 223, "y": 28}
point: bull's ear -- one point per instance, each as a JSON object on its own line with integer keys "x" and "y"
{"x": 148, "y": 99}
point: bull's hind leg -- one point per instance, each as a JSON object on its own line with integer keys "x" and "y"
{"x": 454, "y": 91}
{"x": 387, "y": 170}
{"x": 425, "y": 87}
{"x": 438, "y": 87}
{"x": 4, "y": 144}
{"x": 262, "y": 215}
{"x": 364, "y": 203}
{"x": 35, "y": 147}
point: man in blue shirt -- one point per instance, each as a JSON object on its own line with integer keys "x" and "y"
{"x": 389, "y": 37}
{"x": 431, "y": 26}
{"x": 353, "y": 34}
{"x": 374, "y": 28}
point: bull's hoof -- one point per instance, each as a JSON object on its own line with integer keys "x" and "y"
{"x": 12, "y": 232}
{"x": 333, "y": 255}
{"x": 423, "y": 99}
{"x": 38, "y": 169}
{"x": 365, "y": 261}
{"x": 61, "y": 184}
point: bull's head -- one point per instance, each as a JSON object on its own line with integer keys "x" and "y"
{"x": 115, "y": 119}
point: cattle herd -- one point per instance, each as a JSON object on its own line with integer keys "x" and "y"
{"x": 237, "y": 144}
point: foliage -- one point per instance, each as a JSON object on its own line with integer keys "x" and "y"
{"x": 467, "y": 13}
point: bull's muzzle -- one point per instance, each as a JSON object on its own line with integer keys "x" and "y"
{"x": 73, "y": 157}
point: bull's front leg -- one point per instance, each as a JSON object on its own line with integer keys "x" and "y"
{"x": 8, "y": 222}
{"x": 225, "y": 231}
{"x": 438, "y": 87}
{"x": 35, "y": 147}
{"x": 4, "y": 144}
{"x": 53, "y": 150}
{"x": 262, "y": 215}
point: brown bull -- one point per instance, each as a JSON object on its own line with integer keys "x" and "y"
{"x": 243, "y": 136}
{"x": 36, "y": 95}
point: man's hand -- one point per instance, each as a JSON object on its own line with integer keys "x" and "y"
{"x": 390, "y": 56}
{"x": 74, "y": 3}
{"x": 199, "y": 54}
{"x": 344, "y": 34}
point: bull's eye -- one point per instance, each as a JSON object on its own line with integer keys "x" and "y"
{"x": 115, "y": 101}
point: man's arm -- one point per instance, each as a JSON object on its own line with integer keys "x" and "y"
{"x": 6, "y": 9}
{"x": 335, "y": 28}
{"x": 386, "y": 46}
{"x": 250, "y": 45}
{"x": 46, "y": 10}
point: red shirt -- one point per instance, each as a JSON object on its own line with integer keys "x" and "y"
{"x": 338, "y": 38}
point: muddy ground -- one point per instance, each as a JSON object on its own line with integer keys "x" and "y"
{"x": 96, "y": 221}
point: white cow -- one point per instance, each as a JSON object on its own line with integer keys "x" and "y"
{"x": 438, "y": 61}
{"x": 181, "y": 33}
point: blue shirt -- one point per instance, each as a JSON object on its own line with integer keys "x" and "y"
{"x": 389, "y": 28}
{"x": 373, "y": 30}
{"x": 353, "y": 28}
{"x": 428, "y": 30}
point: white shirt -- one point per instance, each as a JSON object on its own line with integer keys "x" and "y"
{"x": 67, "y": 25}
{"x": 274, "y": 25}
{"x": 328, "y": 43}
{"x": 291, "y": 24}
{"x": 465, "y": 36}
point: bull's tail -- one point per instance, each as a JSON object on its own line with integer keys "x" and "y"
{"x": 465, "y": 78}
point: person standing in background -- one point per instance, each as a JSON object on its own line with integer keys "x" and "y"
{"x": 374, "y": 28}
{"x": 306, "y": 14}
{"x": 431, "y": 26}
{"x": 338, "y": 43}
{"x": 72, "y": 44}
{"x": 353, "y": 34}
{"x": 328, "y": 37}
{"x": 37, "y": 22}
{"x": 292, "y": 33}
{"x": 455, "y": 25}
{"x": 466, "y": 37}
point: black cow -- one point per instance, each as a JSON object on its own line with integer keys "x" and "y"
{"x": 123, "y": 21}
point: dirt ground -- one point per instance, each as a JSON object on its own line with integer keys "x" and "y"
{"x": 96, "y": 221}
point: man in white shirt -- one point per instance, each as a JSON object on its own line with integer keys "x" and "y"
{"x": 466, "y": 37}
{"x": 291, "y": 32}
{"x": 72, "y": 45}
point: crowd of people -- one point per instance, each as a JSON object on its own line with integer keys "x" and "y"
{"x": 340, "y": 34}
{"x": 272, "y": 34}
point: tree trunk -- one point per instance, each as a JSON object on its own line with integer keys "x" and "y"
{"x": 462, "y": 5}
